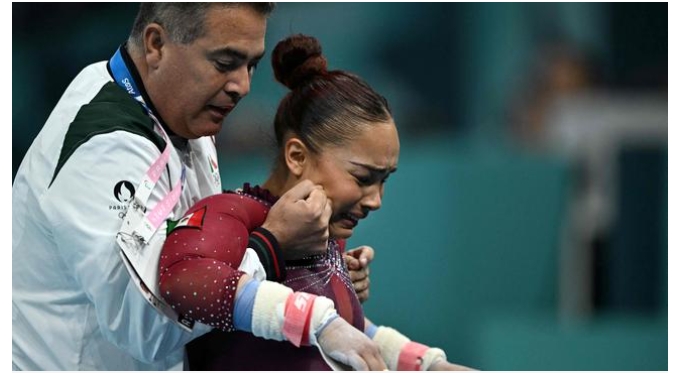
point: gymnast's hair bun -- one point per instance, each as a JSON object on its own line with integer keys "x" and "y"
{"x": 297, "y": 59}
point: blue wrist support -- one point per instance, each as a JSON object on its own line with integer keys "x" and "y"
{"x": 371, "y": 330}
{"x": 244, "y": 303}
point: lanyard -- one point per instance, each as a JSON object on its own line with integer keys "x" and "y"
{"x": 151, "y": 221}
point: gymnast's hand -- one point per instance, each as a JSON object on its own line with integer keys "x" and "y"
{"x": 357, "y": 261}
{"x": 344, "y": 343}
{"x": 300, "y": 220}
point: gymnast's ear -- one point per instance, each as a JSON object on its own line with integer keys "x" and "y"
{"x": 296, "y": 156}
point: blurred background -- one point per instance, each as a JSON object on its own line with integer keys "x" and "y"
{"x": 526, "y": 228}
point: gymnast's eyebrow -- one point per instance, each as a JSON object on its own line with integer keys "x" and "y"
{"x": 375, "y": 169}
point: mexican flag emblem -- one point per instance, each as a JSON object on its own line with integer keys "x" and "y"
{"x": 213, "y": 166}
{"x": 193, "y": 220}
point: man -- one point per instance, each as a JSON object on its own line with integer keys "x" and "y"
{"x": 136, "y": 128}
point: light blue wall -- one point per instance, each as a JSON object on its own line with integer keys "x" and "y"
{"x": 467, "y": 260}
{"x": 467, "y": 239}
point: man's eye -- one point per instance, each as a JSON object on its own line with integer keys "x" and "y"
{"x": 252, "y": 68}
{"x": 224, "y": 66}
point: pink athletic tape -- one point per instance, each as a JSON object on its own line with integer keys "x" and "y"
{"x": 410, "y": 356}
{"x": 297, "y": 316}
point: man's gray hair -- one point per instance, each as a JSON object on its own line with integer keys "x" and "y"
{"x": 184, "y": 22}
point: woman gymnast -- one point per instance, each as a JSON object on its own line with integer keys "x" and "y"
{"x": 334, "y": 130}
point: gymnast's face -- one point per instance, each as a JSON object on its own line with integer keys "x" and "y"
{"x": 353, "y": 174}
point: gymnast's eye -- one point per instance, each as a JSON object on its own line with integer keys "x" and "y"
{"x": 363, "y": 180}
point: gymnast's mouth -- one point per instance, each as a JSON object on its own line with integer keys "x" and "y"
{"x": 350, "y": 219}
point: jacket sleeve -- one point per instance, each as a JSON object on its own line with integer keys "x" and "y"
{"x": 82, "y": 207}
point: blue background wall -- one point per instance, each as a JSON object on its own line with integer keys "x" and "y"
{"x": 468, "y": 240}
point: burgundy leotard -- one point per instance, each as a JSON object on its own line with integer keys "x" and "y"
{"x": 198, "y": 277}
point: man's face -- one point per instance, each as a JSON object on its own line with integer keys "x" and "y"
{"x": 195, "y": 86}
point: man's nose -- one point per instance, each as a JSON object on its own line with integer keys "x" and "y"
{"x": 239, "y": 82}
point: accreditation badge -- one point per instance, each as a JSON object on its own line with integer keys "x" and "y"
{"x": 141, "y": 260}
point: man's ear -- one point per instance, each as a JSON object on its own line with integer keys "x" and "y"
{"x": 154, "y": 39}
{"x": 296, "y": 156}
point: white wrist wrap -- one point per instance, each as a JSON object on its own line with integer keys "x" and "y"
{"x": 269, "y": 313}
{"x": 432, "y": 356}
{"x": 322, "y": 310}
{"x": 400, "y": 353}
{"x": 267, "y": 319}
{"x": 390, "y": 343}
